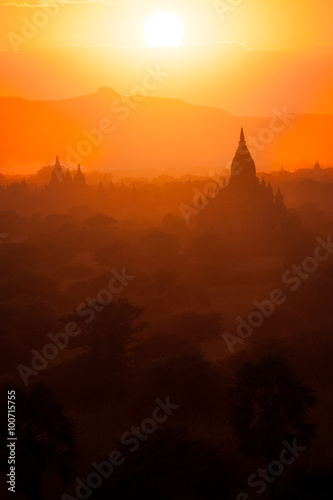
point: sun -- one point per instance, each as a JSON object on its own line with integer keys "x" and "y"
{"x": 164, "y": 29}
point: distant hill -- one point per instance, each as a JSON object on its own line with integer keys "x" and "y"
{"x": 154, "y": 135}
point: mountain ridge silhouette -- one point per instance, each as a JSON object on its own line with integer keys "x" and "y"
{"x": 156, "y": 133}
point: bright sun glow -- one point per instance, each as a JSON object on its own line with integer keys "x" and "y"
{"x": 164, "y": 29}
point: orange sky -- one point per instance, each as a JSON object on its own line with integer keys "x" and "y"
{"x": 245, "y": 56}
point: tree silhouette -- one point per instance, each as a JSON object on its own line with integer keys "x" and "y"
{"x": 45, "y": 439}
{"x": 270, "y": 405}
{"x": 101, "y": 372}
{"x": 110, "y": 333}
{"x": 171, "y": 465}
{"x": 187, "y": 377}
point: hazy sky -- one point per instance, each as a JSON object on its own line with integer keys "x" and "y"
{"x": 246, "y": 56}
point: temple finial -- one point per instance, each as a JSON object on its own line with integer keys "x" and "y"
{"x": 242, "y": 138}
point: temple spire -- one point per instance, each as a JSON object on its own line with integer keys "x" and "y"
{"x": 79, "y": 179}
{"x": 243, "y": 165}
{"x": 57, "y": 172}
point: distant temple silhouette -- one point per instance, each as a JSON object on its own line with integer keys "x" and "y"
{"x": 79, "y": 179}
{"x": 243, "y": 169}
{"x": 245, "y": 202}
{"x": 62, "y": 178}
{"x": 57, "y": 174}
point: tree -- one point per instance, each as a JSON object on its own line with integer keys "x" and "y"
{"x": 186, "y": 377}
{"x": 270, "y": 405}
{"x": 110, "y": 333}
{"x": 170, "y": 464}
{"x": 45, "y": 438}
